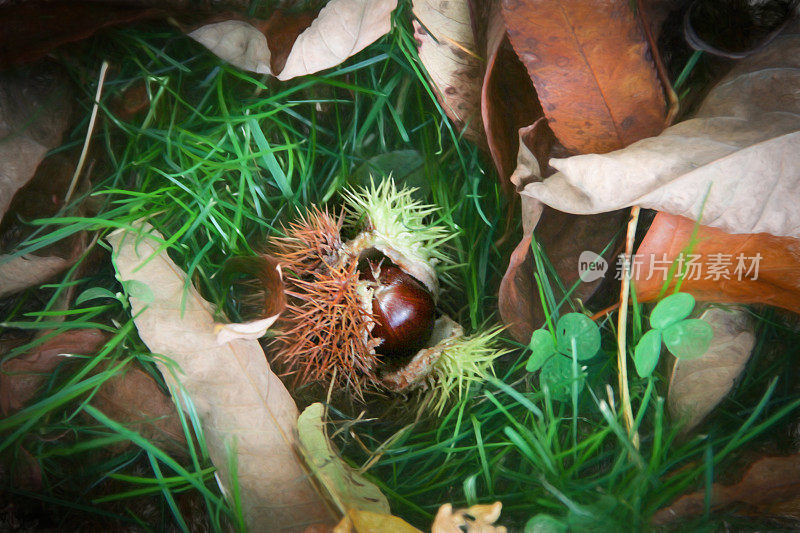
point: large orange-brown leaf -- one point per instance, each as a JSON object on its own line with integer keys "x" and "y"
{"x": 770, "y": 487}
{"x": 734, "y": 163}
{"x": 590, "y": 64}
{"x": 721, "y": 259}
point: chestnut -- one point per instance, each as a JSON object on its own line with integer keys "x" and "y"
{"x": 402, "y": 307}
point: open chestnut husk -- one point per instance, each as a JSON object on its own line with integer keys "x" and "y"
{"x": 362, "y": 313}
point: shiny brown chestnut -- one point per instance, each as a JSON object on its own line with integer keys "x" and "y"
{"x": 402, "y": 307}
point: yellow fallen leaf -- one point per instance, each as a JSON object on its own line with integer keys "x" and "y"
{"x": 356, "y": 521}
{"x": 346, "y": 487}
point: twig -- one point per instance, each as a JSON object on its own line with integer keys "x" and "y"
{"x": 604, "y": 312}
{"x": 88, "y": 138}
{"x": 622, "y": 353}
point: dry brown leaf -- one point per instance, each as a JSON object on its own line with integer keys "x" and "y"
{"x": 474, "y": 519}
{"x": 535, "y": 142}
{"x": 32, "y": 29}
{"x": 134, "y": 399}
{"x": 238, "y": 42}
{"x": 773, "y": 264}
{"x": 342, "y": 28}
{"x": 131, "y": 397}
{"x": 447, "y": 49}
{"x": 563, "y": 237}
{"x": 740, "y": 150}
{"x": 591, "y": 68}
{"x": 244, "y": 408}
{"x": 698, "y": 385}
{"x": 35, "y": 110}
{"x": 25, "y": 271}
{"x": 41, "y": 197}
{"x": 771, "y": 487}
{"x": 23, "y": 376}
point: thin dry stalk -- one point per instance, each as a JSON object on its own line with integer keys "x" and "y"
{"x": 622, "y": 323}
{"x": 90, "y": 130}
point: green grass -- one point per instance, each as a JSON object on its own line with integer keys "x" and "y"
{"x": 575, "y": 460}
{"x": 217, "y": 163}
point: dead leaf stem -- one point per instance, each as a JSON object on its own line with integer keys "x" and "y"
{"x": 100, "y": 81}
{"x": 622, "y": 355}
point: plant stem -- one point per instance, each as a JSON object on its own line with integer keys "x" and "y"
{"x": 622, "y": 355}
{"x": 89, "y": 131}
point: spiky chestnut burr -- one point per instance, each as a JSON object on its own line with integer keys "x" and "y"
{"x": 327, "y": 322}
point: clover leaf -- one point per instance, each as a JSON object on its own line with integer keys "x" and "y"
{"x": 647, "y": 352}
{"x": 555, "y": 358}
{"x": 685, "y": 338}
{"x": 688, "y": 339}
{"x": 671, "y": 310}
{"x": 585, "y": 332}
{"x": 542, "y": 347}
{"x": 557, "y": 375}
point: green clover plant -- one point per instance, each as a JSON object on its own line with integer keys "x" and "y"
{"x": 685, "y": 338}
{"x": 576, "y": 335}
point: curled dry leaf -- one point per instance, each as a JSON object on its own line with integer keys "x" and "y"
{"x": 736, "y": 162}
{"x": 346, "y": 487}
{"x": 244, "y": 408}
{"x": 35, "y": 110}
{"x": 342, "y": 28}
{"x": 475, "y": 519}
{"x": 591, "y": 67}
{"x": 723, "y": 268}
{"x": 770, "y": 487}
{"x": 508, "y": 103}
{"x": 447, "y": 49}
{"x": 698, "y": 385}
